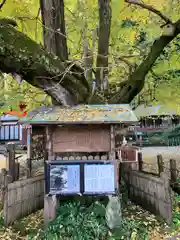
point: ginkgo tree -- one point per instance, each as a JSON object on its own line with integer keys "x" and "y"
{"x": 84, "y": 71}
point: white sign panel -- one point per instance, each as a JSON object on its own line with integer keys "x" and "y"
{"x": 99, "y": 178}
{"x": 64, "y": 179}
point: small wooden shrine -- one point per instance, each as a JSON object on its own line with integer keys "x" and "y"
{"x": 80, "y": 149}
{"x": 79, "y": 132}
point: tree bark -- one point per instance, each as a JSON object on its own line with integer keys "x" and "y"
{"x": 54, "y": 32}
{"x": 63, "y": 82}
{"x": 87, "y": 56}
{"x": 103, "y": 43}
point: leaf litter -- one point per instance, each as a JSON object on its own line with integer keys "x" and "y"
{"x": 140, "y": 220}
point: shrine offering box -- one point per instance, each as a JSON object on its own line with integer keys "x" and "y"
{"x": 81, "y": 177}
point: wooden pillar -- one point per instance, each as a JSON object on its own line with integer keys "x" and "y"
{"x": 29, "y": 142}
{"x": 112, "y": 154}
{"x": 49, "y": 143}
{"x": 160, "y": 164}
{"x": 6, "y": 180}
{"x": 11, "y": 161}
{"x": 173, "y": 170}
{"x": 29, "y": 150}
{"x": 17, "y": 171}
{"x": 140, "y": 161}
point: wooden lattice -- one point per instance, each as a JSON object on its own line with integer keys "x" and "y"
{"x": 38, "y": 147}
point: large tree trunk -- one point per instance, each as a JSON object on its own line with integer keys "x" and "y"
{"x": 54, "y": 32}
{"x": 19, "y": 54}
{"x": 103, "y": 43}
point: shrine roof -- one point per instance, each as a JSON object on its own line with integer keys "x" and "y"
{"x": 82, "y": 114}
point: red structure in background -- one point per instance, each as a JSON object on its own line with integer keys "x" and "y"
{"x": 22, "y": 113}
{"x": 128, "y": 154}
{"x": 14, "y": 113}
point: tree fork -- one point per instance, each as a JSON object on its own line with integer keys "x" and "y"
{"x": 65, "y": 82}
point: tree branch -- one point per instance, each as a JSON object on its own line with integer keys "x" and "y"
{"x": 103, "y": 43}
{"x": 135, "y": 82}
{"x": 19, "y": 54}
{"x": 151, "y": 9}
{"x": 2, "y": 4}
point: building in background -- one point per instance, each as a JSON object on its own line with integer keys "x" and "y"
{"x": 153, "y": 121}
{"x": 10, "y": 129}
{"x": 156, "y": 118}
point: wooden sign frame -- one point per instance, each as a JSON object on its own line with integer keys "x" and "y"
{"x": 81, "y": 164}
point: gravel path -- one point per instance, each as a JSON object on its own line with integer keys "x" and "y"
{"x": 149, "y": 155}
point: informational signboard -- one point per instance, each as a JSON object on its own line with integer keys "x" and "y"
{"x": 99, "y": 178}
{"x": 96, "y": 177}
{"x": 64, "y": 179}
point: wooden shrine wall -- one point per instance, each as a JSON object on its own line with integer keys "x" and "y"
{"x": 81, "y": 138}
